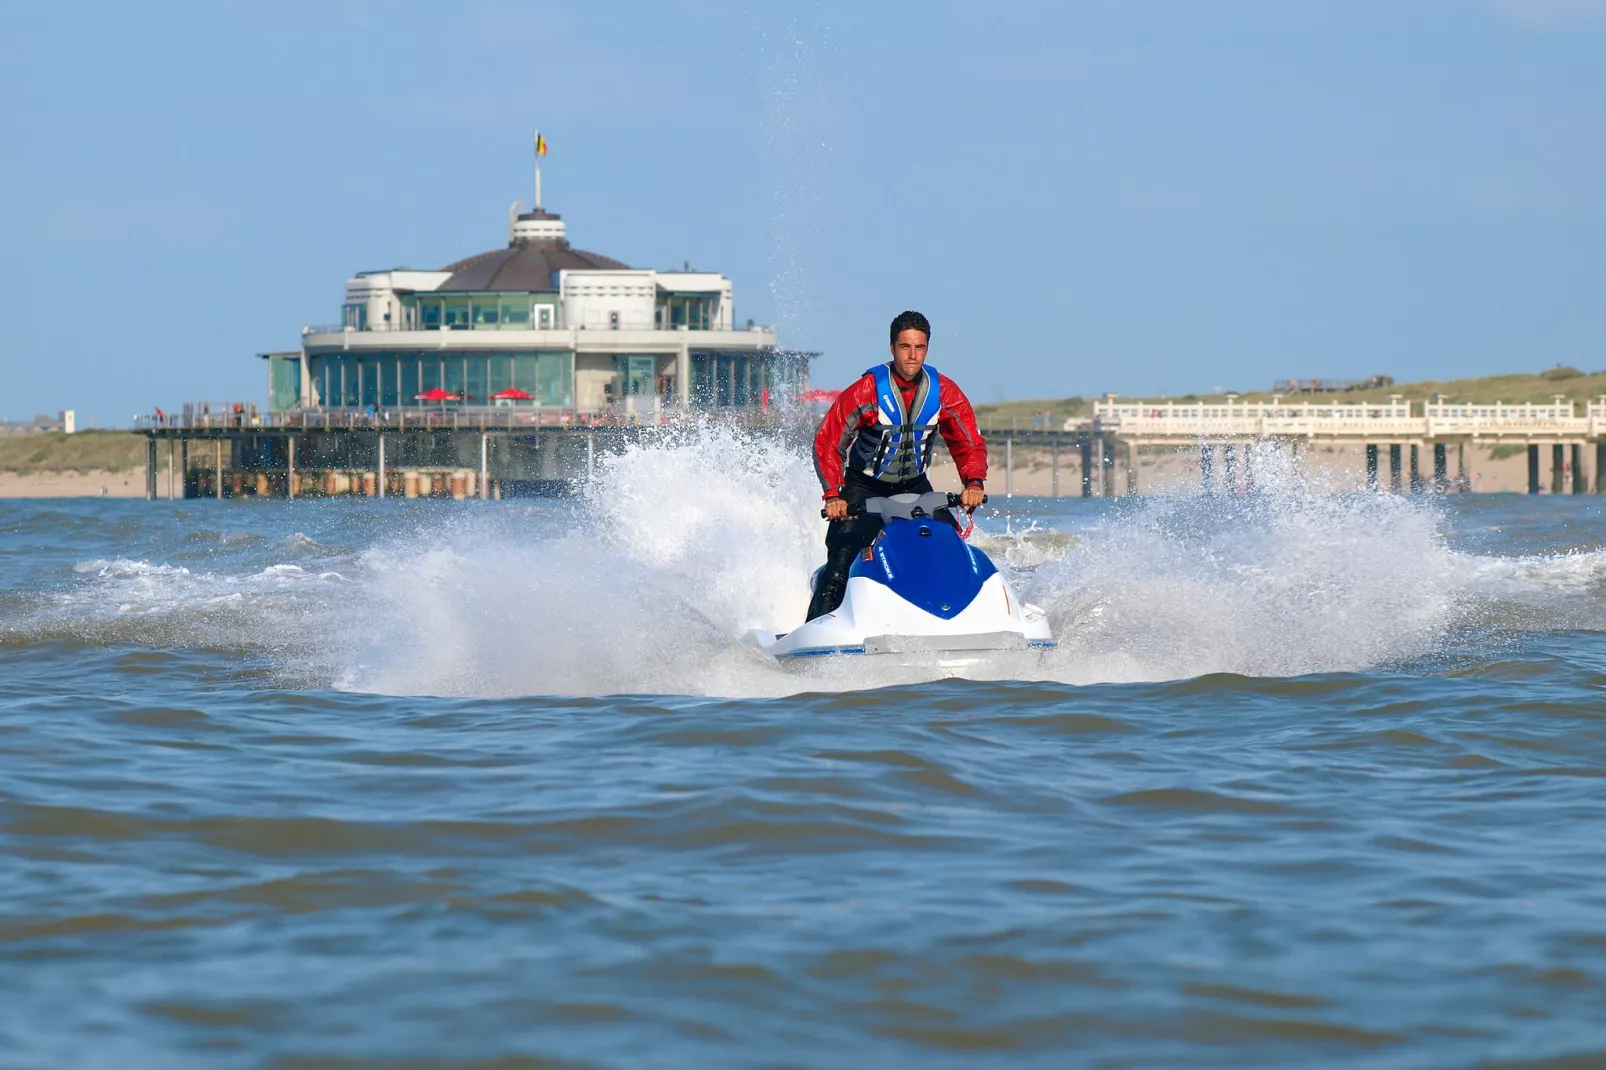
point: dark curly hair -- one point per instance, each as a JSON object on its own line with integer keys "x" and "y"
{"x": 910, "y": 321}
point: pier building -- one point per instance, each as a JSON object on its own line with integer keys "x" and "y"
{"x": 541, "y": 326}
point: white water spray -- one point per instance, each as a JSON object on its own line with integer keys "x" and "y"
{"x": 684, "y": 543}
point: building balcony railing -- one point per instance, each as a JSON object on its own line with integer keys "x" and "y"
{"x": 599, "y": 325}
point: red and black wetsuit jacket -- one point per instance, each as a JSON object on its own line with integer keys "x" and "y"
{"x": 855, "y": 417}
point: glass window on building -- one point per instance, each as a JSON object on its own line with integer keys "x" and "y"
{"x": 390, "y": 382}
{"x": 487, "y": 311}
{"x": 454, "y": 313}
{"x": 636, "y": 374}
{"x": 328, "y": 373}
{"x": 284, "y": 382}
{"x": 407, "y": 372}
{"x": 356, "y": 315}
{"x": 501, "y": 373}
{"x": 429, "y": 313}
{"x": 452, "y": 373}
{"x": 555, "y": 374}
{"x": 702, "y": 380}
{"x": 474, "y": 379}
{"x": 515, "y": 313}
{"x": 431, "y": 373}
{"x": 524, "y": 374}
{"x": 369, "y": 372}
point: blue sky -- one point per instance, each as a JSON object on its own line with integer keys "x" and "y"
{"x": 1084, "y": 196}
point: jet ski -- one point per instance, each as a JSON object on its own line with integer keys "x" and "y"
{"x": 919, "y": 589}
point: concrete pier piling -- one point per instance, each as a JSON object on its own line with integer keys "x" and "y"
{"x": 485, "y": 467}
{"x": 1371, "y": 467}
{"x": 1580, "y": 484}
{"x": 1054, "y": 467}
{"x": 1394, "y": 469}
{"x": 1207, "y": 468}
{"x": 1416, "y": 469}
{"x": 1441, "y": 468}
{"x": 1558, "y": 469}
{"x": 385, "y": 458}
{"x": 1533, "y": 469}
{"x": 1229, "y": 468}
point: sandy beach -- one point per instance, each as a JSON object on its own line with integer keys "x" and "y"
{"x": 76, "y": 484}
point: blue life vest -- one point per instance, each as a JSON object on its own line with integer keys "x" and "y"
{"x": 898, "y": 446}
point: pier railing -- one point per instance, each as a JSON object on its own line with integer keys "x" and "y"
{"x": 1394, "y": 419}
{"x": 465, "y": 418}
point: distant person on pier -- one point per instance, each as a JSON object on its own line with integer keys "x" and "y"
{"x": 876, "y": 441}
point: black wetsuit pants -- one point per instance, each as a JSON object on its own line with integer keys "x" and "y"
{"x": 845, "y": 539}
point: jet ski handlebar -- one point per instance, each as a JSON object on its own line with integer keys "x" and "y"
{"x": 908, "y": 506}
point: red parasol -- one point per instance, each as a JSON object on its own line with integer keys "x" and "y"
{"x": 436, "y": 394}
{"x": 512, "y": 393}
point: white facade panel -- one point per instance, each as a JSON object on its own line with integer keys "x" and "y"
{"x": 608, "y": 300}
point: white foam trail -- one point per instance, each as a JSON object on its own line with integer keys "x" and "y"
{"x": 686, "y": 542}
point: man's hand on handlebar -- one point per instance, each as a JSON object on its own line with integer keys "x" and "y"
{"x": 972, "y": 498}
{"x": 836, "y": 509}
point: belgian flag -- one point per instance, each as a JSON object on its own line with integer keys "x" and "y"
{"x": 540, "y": 144}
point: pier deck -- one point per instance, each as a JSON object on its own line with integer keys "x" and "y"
{"x": 500, "y": 452}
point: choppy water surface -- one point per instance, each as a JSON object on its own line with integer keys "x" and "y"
{"x": 1312, "y": 780}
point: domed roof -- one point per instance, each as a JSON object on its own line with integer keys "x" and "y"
{"x": 530, "y": 262}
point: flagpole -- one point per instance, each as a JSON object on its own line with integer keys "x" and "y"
{"x": 538, "y": 170}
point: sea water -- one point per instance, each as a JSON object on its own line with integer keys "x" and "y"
{"x": 1312, "y": 779}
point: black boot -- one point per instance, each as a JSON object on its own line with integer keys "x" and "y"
{"x": 832, "y": 584}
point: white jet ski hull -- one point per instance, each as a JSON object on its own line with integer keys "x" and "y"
{"x": 875, "y": 620}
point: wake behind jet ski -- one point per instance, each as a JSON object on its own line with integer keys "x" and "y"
{"x": 918, "y": 589}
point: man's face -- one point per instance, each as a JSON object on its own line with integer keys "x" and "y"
{"x": 909, "y": 354}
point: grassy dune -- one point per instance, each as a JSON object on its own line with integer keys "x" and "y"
{"x": 87, "y": 451}
{"x": 1571, "y": 383}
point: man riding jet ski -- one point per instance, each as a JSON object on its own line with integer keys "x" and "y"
{"x": 876, "y": 441}
{"x": 898, "y": 578}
